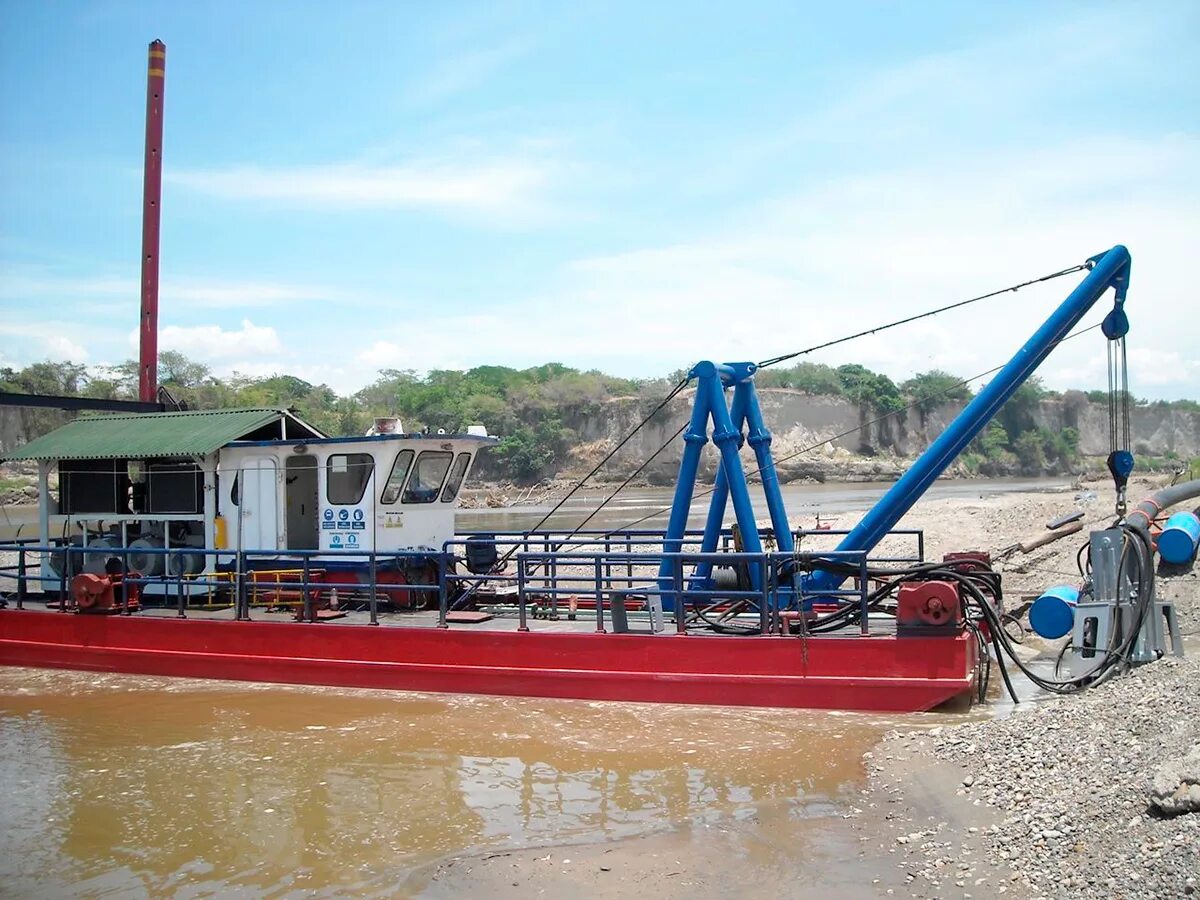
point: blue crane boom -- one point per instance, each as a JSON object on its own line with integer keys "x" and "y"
{"x": 1109, "y": 270}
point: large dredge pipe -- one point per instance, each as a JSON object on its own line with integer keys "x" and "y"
{"x": 1180, "y": 535}
{"x": 1111, "y": 270}
{"x": 1147, "y": 511}
{"x": 151, "y": 219}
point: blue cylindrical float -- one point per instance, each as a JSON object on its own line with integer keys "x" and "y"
{"x": 1053, "y": 614}
{"x": 1179, "y": 538}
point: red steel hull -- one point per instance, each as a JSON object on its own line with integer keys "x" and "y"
{"x": 883, "y": 672}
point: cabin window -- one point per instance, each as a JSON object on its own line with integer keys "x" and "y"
{"x": 347, "y": 475}
{"x": 391, "y": 491}
{"x": 427, "y": 476}
{"x": 454, "y": 482}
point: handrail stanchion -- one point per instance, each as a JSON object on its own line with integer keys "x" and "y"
{"x": 240, "y": 600}
{"x": 443, "y": 594}
{"x": 677, "y": 587}
{"x": 764, "y": 602}
{"x": 306, "y": 611}
{"x": 522, "y": 623}
{"x": 374, "y": 591}
{"x": 599, "y": 597}
{"x": 125, "y": 610}
{"x": 21, "y": 575}
{"x": 62, "y": 581}
{"x": 629, "y": 562}
{"x": 552, "y": 571}
{"x": 865, "y": 627}
{"x": 181, "y": 591}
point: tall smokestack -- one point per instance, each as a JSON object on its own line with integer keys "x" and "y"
{"x": 151, "y": 218}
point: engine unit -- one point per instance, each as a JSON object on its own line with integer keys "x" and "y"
{"x": 928, "y": 607}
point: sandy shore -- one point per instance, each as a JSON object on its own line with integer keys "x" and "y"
{"x": 1047, "y": 799}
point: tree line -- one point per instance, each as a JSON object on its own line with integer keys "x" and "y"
{"x": 533, "y": 409}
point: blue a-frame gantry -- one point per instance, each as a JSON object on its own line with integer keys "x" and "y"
{"x": 734, "y": 423}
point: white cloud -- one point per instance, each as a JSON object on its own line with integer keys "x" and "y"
{"x": 383, "y": 355}
{"x": 235, "y": 294}
{"x": 59, "y": 347}
{"x": 54, "y": 340}
{"x": 506, "y": 190}
{"x": 221, "y": 293}
{"x": 864, "y": 250}
{"x": 214, "y": 344}
{"x": 1152, "y": 369}
{"x": 461, "y": 72}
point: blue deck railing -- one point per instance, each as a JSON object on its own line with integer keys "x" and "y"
{"x": 601, "y": 572}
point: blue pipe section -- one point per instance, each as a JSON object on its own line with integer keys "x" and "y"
{"x": 1110, "y": 269}
{"x": 1053, "y": 614}
{"x": 1179, "y": 538}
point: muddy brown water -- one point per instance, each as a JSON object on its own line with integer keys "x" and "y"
{"x": 135, "y": 786}
{"x": 138, "y": 786}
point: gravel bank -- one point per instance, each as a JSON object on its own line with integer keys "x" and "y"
{"x": 1061, "y": 789}
{"x": 1070, "y": 782}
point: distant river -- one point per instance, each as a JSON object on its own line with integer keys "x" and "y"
{"x": 649, "y": 506}
{"x": 802, "y": 501}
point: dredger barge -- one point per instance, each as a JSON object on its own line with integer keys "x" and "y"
{"x": 245, "y": 544}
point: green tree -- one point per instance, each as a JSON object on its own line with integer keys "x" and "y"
{"x": 525, "y": 454}
{"x": 1031, "y": 452}
{"x": 811, "y": 378}
{"x": 935, "y": 387}
{"x": 869, "y": 388}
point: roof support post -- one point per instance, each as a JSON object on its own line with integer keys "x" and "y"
{"x": 208, "y": 465}
{"x": 44, "y": 466}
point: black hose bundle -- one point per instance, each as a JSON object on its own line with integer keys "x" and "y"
{"x": 981, "y": 590}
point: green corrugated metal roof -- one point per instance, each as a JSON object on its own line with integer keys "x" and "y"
{"x": 147, "y": 435}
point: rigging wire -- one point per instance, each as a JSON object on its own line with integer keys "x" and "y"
{"x": 850, "y": 431}
{"x": 777, "y": 359}
{"x": 933, "y": 312}
{"x": 674, "y": 392}
{"x": 508, "y": 554}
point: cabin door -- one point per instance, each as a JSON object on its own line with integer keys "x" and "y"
{"x": 301, "y": 494}
{"x": 260, "y": 504}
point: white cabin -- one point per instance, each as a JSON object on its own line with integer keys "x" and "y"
{"x": 195, "y": 482}
{"x": 382, "y": 492}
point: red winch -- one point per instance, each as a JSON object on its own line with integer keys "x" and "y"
{"x": 103, "y": 593}
{"x": 928, "y": 607}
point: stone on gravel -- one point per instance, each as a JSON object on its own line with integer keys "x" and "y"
{"x": 1175, "y": 788}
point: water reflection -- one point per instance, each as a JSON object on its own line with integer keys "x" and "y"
{"x": 162, "y": 787}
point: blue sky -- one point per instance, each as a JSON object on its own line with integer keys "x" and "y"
{"x": 631, "y": 187}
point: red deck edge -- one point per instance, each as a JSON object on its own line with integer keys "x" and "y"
{"x": 878, "y": 673}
